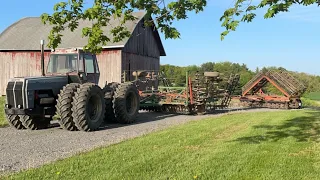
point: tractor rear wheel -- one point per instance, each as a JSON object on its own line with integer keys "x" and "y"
{"x": 64, "y": 106}
{"x": 34, "y": 122}
{"x": 108, "y": 96}
{"x": 88, "y": 107}
{"x": 14, "y": 121}
{"x": 126, "y": 103}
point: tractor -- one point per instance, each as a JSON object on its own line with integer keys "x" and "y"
{"x": 69, "y": 90}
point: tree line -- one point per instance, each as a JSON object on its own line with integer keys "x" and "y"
{"x": 177, "y": 74}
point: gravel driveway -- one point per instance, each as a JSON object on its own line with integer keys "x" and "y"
{"x": 26, "y": 149}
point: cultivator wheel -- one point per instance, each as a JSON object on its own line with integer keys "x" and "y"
{"x": 126, "y": 103}
{"x": 34, "y": 122}
{"x": 180, "y": 109}
{"x": 211, "y": 74}
{"x": 64, "y": 106}
{"x": 108, "y": 96}
{"x": 88, "y": 107}
{"x": 14, "y": 121}
{"x": 152, "y": 109}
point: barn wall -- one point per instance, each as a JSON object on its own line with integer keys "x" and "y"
{"x": 142, "y": 42}
{"x": 110, "y": 66}
{"x": 139, "y": 62}
{"x": 15, "y": 64}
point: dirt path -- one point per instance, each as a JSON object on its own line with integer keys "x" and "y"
{"x": 26, "y": 149}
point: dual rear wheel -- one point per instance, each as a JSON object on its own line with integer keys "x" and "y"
{"x": 84, "y": 107}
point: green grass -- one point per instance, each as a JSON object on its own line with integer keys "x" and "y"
{"x": 313, "y": 96}
{"x": 306, "y": 102}
{"x": 265, "y": 145}
{"x": 3, "y": 121}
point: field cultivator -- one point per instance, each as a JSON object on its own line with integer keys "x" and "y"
{"x": 202, "y": 92}
{"x": 254, "y": 96}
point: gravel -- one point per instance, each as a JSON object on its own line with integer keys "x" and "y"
{"x": 23, "y": 149}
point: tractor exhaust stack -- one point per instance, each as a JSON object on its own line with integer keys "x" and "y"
{"x": 42, "y": 57}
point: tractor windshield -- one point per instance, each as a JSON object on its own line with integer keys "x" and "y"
{"x": 62, "y": 63}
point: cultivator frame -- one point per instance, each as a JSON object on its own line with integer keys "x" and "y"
{"x": 201, "y": 93}
{"x": 291, "y": 88}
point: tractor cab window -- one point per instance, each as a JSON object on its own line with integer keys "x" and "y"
{"x": 89, "y": 63}
{"x": 62, "y": 63}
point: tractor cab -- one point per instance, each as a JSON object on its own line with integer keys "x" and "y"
{"x": 75, "y": 63}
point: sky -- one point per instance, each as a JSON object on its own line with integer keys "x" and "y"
{"x": 290, "y": 40}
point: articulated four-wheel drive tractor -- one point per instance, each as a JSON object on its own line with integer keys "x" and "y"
{"x": 69, "y": 90}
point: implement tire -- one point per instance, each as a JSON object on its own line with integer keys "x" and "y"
{"x": 88, "y": 107}
{"x": 34, "y": 123}
{"x": 64, "y": 106}
{"x": 211, "y": 74}
{"x": 108, "y": 96}
{"x": 14, "y": 121}
{"x": 126, "y": 103}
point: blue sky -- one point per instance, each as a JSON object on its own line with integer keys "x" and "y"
{"x": 290, "y": 40}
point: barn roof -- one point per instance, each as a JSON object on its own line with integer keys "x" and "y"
{"x": 26, "y": 34}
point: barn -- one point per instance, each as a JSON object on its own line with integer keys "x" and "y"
{"x": 20, "y": 49}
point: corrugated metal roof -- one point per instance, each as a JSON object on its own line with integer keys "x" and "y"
{"x": 26, "y": 34}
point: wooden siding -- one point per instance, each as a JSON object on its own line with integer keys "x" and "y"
{"x": 110, "y": 66}
{"x": 15, "y": 64}
{"x": 142, "y": 42}
{"x": 18, "y": 64}
{"x": 138, "y": 62}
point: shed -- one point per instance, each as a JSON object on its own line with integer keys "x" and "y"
{"x": 20, "y": 49}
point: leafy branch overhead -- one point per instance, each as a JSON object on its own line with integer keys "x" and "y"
{"x": 243, "y": 11}
{"x": 68, "y": 13}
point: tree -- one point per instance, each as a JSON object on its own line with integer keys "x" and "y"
{"x": 67, "y": 14}
{"x": 245, "y": 10}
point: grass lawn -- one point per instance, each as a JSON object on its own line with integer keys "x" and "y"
{"x": 3, "y": 121}
{"x": 260, "y": 145}
{"x": 313, "y": 96}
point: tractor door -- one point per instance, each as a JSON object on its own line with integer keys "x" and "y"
{"x": 91, "y": 68}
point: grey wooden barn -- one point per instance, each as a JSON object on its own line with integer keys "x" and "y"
{"x": 20, "y": 49}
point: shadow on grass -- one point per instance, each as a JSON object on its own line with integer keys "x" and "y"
{"x": 304, "y": 128}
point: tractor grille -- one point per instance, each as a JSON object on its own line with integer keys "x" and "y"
{"x": 14, "y": 93}
{"x": 18, "y": 93}
{"x": 10, "y": 96}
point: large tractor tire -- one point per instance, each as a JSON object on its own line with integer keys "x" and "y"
{"x": 34, "y": 122}
{"x": 108, "y": 97}
{"x": 88, "y": 107}
{"x": 64, "y": 106}
{"x": 126, "y": 103}
{"x": 14, "y": 121}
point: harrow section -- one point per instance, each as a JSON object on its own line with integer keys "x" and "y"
{"x": 254, "y": 96}
{"x": 202, "y": 93}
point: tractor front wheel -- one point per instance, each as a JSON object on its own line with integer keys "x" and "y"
{"x": 88, "y": 107}
{"x": 64, "y": 106}
{"x": 34, "y": 122}
{"x": 14, "y": 121}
